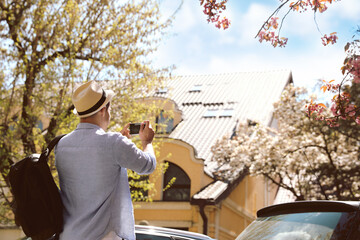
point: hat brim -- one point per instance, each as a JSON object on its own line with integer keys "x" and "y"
{"x": 109, "y": 95}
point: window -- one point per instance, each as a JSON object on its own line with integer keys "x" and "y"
{"x": 196, "y": 88}
{"x": 180, "y": 189}
{"x": 151, "y": 236}
{"x": 39, "y": 124}
{"x": 164, "y": 124}
{"x": 162, "y": 90}
{"x": 211, "y": 113}
{"x": 228, "y": 112}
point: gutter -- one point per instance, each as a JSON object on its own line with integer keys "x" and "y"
{"x": 202, "y": 205}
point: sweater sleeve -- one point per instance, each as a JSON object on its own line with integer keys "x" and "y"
{"x": 129, "y": 156}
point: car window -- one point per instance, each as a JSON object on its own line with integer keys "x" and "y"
{"x": 305, "y": 226}
{"x": 183, "y": 238}
{"x": 143, "y": 236}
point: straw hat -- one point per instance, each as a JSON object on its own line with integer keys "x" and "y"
{"x": 89, "y": 98}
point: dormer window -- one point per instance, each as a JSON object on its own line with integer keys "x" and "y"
{"x": 211, "y": 113}
{"x": 196, "y": 88}
{"x": 227, "y": 112}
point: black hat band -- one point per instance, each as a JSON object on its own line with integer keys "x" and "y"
{"x": 96, "y": 106}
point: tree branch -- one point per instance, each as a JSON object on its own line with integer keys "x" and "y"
{"x": 276, "y": 11}
{"x": 283, "y": 185}
{"x": 316, "y": 176}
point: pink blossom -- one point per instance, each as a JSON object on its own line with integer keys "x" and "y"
{"x": 262, "y": 35}
{"x": 334, "y": 109}
{"x": 273, "y": 22}
{"x": 323, "y": 8}
{"x": 357, "y": 120}
{"x": 356, "y": 79}
{"x": 350, "y": 110}
{"x": 329, "y": 39}
{"x": 355, "y": 69}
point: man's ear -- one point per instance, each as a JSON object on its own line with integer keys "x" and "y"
{"x": 103, "y": 111}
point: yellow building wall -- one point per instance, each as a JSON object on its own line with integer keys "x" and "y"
{"x": 179, "y": 215}
{"x": 239, "y": 209}
{"x": 182, "y": 154}
{"x": 174, "y": 214}
{"x": 167, "y": 105}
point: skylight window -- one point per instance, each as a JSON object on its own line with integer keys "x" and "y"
{"x": 196, "y": 88}
{"x": 211, "y": 113}
{"x": 228, "y": 112}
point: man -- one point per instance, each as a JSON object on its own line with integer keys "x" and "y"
{"x": 92, "y": 166}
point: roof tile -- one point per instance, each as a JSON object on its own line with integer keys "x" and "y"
{"x": 250, "y": 94}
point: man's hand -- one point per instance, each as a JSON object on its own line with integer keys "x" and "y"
{"x": 126, "y": 131}
{"x": 146, "y": 133}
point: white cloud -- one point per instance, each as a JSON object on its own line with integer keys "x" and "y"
{"x": 248, "y": 24}
{"x": 297, "y": 24}
{"x": 307, "y": 67}
{"x": 188, "y": 19}
{"x": 300, "y": 25}
{"x": 332, "y": 20}
{"x": 189, "y": 15}
{"x": 347, "y": 9}
{"x": 248, "y": 62}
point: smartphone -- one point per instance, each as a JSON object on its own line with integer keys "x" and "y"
{"x": 134, "y": 128}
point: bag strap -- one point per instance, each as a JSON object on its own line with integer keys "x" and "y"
{"x": 45, "y": 154}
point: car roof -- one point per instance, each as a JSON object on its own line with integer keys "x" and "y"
{"x": 170, "y": 231}
{"x": 309, "y": 206}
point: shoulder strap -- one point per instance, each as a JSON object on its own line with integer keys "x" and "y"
{"x": 45, "y": 154}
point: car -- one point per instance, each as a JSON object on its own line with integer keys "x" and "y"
{"x": 144, "y": 232}
{"x": 305, "y": 220}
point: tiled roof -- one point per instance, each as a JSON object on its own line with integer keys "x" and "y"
{"x": 216, "y": 191}
{"x": 250, "y": 94}
{"x": 212, "y": 191}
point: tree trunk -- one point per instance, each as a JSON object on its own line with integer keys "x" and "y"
{"x": 27, "y": 121}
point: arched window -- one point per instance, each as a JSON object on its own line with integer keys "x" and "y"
{"x": 180, "y": 189}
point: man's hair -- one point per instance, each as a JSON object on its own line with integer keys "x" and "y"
{"x": 107, "y": 107}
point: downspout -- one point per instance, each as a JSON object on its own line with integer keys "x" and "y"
{"x": 204, "y": 217}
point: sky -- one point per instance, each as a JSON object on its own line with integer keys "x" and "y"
{"x": 196, "y": 47}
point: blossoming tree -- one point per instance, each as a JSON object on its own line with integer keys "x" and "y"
{"x": 345, "y": 105}
{"x": 307, "y": 157}
{"x": 270, "y": 30}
